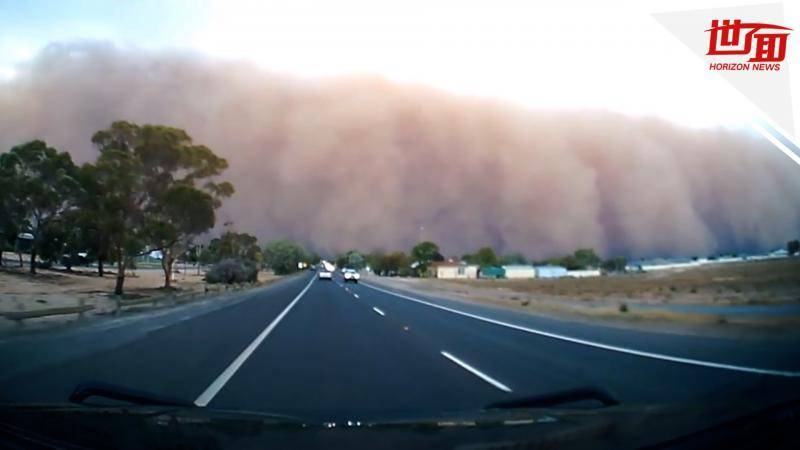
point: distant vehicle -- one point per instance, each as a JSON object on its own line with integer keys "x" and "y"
{"x": 324, "y": 274}
{"x": 351, "y": 276}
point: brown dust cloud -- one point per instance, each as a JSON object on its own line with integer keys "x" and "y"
{"x": 362, "y": 162}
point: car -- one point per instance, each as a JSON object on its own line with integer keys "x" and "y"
{"x": 351, "y": 275}
{"x": 324, "y": 274}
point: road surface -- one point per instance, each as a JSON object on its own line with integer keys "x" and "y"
{"x": 329, "y": 351}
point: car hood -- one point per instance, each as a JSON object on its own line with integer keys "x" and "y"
{"x": 170, "y": 427}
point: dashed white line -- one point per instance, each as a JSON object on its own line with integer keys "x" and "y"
{"x": 213, "y": 389}
{"x": 356, "y": 295}
{"x": 378, "y": 311}
{"x": 613, "y": 348}
{"x": 477, "y": 372}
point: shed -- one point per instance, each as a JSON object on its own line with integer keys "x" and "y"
{"x": 449, "y": 269}
{"x": 519, "y": 271}
{"x": 551, "y": 271}
{"x": 491, "y": 272}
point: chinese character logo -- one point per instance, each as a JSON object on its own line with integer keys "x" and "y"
{"x": 763, "y": 42}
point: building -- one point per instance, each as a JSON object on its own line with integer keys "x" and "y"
{"x": 584, "y": 273}
{"x": 451, "y": 269}
{"x": 519, "y": 271}
{"x": 492, "y": 272}
{"x": 550, "y": 271}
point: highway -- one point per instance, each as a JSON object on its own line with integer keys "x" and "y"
{"x": 332, "y": 351}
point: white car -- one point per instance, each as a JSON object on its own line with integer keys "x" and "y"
{"x": 324, "y": 274}
{"x": 351, "y": 276}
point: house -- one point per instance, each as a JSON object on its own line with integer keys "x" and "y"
{"x": 451, "y": 269}
{"x": 550, "y": 271}
{"x": 584, "y": 273}
{"x": 519, "y": 271}
{"x": 492, "y": 272}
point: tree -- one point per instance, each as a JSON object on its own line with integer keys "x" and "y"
{"x": 581, "y": 259}
{"x": 351, "y": 259}
{"x": 390, "y": 264}
{"x": 12, "y": 212}
{"x": 118, "y": 176}
{"x": 586, "y": 258}
{"x": 90, "y": 218}
{"x": 616, "y": 264}
{"x": 45, "y": 187}
{"x": 484, "y": 257}
{"x": 282, "y": 256}
{"x": 232, "y": 245}
{"x": 513, "y": 258}
{"x": 423, "y": 254}
{"x": 793, "y": 246}
{"x": 170, "y": 167}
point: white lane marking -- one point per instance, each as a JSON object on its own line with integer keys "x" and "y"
{"x": 477, "y": 372}
{"x": 378, "y": 311}
{"x": 356, "y": 295}
{"x": 613, "y": 348}
{"x": 213, "y": 389}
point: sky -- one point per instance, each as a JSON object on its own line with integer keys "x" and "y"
{"x": 564, "y": 55}
{"x": 522, "y": 126}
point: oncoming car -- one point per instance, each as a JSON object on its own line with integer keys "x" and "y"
{"x": 351, "y": 275}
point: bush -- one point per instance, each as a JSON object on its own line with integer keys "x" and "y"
{"x": 230, "y": 271}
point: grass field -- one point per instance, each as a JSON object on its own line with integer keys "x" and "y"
{"x": 642, "y": 297}
{"x": 757, "y": 282}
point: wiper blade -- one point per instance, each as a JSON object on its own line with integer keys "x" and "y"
{"x": 558, "y": 398}
{"x": 85, "y": 391}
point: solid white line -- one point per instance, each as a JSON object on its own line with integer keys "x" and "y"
{"x": 378, "y": 311}
{"x": 477, "y": 372}
{"x": 614, "y": 348}
{"x": 213, "y": 389}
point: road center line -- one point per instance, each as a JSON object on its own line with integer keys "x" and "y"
{"x": 356, "y": 295}
{"x": 213, "y": 389}
{"x": 378, "y": 311}
{"x": 613, "y": 348}
{"x": 476, "y": 372}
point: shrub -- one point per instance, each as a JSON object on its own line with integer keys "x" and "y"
{"x": 623, "y": 307}
{"x": 230, "y": 271}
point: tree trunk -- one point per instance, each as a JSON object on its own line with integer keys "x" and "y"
{"x": 166, "y": 264}
{"x": 33, "y": 260}
{"x": 120, "y": 272}
{"x": 20, "y": 259}
{"x": 100, "y": 266}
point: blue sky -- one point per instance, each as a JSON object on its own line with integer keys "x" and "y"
{"x": 28, "y": 25}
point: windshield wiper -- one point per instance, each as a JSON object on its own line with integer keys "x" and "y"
{"x": 558, "y": 398}
{"x": 85, "y": 391}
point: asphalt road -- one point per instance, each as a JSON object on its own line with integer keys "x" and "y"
{"x": 330, "y": 351}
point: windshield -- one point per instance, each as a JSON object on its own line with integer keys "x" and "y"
{"x": 374, "y": 212}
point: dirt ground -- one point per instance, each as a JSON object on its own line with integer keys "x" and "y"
{"x": 757, "y": 282}
{"x": 641, "y": 297}
{"x": 20, "y": 291}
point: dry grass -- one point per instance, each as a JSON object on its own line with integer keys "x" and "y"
{"x": 601, "y": 298}
{"x": 757, "y": 282}
{"x": 21, "y": 291}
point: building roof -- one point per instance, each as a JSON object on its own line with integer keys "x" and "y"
{"x": 518, "y": 266}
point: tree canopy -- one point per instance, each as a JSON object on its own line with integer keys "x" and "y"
{"x": 282, "y": 256}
